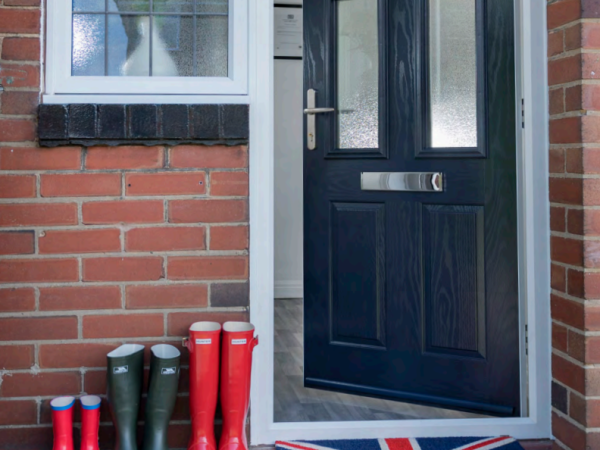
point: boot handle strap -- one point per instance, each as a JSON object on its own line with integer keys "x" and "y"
{"x": 253, "y": 343}
{"x": 185, "y": 342}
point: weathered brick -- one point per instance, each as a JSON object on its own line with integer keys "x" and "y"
{"x": 556, "y": 161}
{"x": 167, "y": 296}
{"x": 16, "y": 242}
{"x": 21, "y": 49}
{"x": 28, "y": 158}
{"x": 17, "y": 299}
{"x": 557, "y": 101}
{"x": 566, "y": 250}
{"x": 40, "y": 384}
{"x": 565, "y": 130}
{"x": 229, "y": 294}
{"x": 131, "y": 211}
{"x": 229, "y": 238}
{"x": 62, "y": 356}
{"x": 16, "y": 357}
{"x": 558, "y": 277}
{"x": 15, "y": 130}
{"x": 27, "y": 214}
{"x": 208, "y": 157}
{"x": 81, "y": 185}
{"x": 17, "y": 186}
{"x": 21, "y": 76}
{"x": 165, "y": 239}
{"x": 166, "y": 183}
{"x": 567, "y": 311}
{"x": 575, "y": 221}
{"x": 568, "y": 433}
{"x": 18, "y": 412}
{"x": 123, "y": 326}
{"x": 560, "y": 341}
{"x": 38, "y": 328}
{"x": 208, "y": 211}
{"x": 149, "y": 268}
{"x": 80, "y": 241}
{"x": 555, "y": 42}
{"x": 80, "y": 298}
{"x": 20, "y": 21}
{"x": 19, "y": 102}
{"x": 568, "y": 373}
{"x": 564, "y": 70}
{"x": 38, "y": 270}
{"x": 562, "y": 12}
{"x": 125, "y": 157}
{"x": 207, "y": 267}
{"x": 28, "y": 438}
{"x": 229, "y": 183}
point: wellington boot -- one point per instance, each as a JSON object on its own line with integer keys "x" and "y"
{"x": 124, "y": 388}
{"x": 204, "y": 344}
{"x": 90, "y": 421}
{"x": 236, "y": 367}
{"x": 62, "y": 422}
{"x": 162, "y": 393}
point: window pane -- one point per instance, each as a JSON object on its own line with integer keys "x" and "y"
{"x": 212, "y": 46}
{"x": 191, "y": 44}
{"x": 173, "y": 6}
{"x": 358, "y": 74}
{"x": 173, "y": 46}
{"x": 89, "y": 5}
{"x": 142, "y": 6}
{"x": 88, "y": 45}
{"x": 453, "y": 73}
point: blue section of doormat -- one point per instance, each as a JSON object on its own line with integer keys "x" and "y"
{"x": 449, "y": 443}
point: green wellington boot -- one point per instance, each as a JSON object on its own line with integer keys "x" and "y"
{"x": 125, "y": 376}
{"x": 162, "y": 392}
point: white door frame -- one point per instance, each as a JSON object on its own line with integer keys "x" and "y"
{"x": 533, "y": 207}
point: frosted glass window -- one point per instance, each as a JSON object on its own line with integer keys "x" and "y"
{"x": 453, "y": 73}
{"x": 165, "y": 38}
{"x": 358, "y": 74}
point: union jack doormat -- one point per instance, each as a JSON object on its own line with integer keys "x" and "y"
{"x": 450, "y": 443}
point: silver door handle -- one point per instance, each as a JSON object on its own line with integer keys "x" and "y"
{"x": 310, "y": 111}
{"x": 402, "y": 181}
{"x": 318, "y": 110}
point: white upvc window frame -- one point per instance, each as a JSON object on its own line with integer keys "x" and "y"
{"x": 60, "y": 85}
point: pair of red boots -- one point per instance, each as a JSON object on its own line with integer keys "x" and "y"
{"x": 233, "y": 356}
{"x": 62, "y": 422}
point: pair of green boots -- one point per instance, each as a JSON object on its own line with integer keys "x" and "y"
{"x": 125, "y": 376}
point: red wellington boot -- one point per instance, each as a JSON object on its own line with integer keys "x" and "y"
{"x": 90, "y": 421}
{"x": 236, "y": 367}
{"x": 204, "y": 343}
{"x": 62, "y": 422}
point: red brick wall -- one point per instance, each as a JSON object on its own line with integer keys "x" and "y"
{"x": 101, "y": 246}
{"x": 573, "y": 67}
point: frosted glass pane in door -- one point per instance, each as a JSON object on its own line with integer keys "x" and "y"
{"x": 453, "y": 73}
{"x": 358, "y": 74}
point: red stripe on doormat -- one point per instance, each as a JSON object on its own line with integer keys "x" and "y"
{"x": 399, "y": 444}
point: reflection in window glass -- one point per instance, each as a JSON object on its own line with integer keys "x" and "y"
{"x": 358, "y": 74}
{"x": 150, "y": 38}
{"x": 453, "y": 73}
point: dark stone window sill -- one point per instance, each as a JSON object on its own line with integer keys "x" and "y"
{"x": 82, "y": 124}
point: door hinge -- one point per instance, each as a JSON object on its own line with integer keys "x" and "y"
{"x": 526, "y": 340}
{"x": 522, "y": 113}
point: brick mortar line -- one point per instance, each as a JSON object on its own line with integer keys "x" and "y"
{"x": 119, "y": 312}
{"x": 572, "y": 360}
{"x": 570, "y": 420}
{"x": 132, "y": 254}
{"x": 124, "y": 226}
{"x": 29, "y": 117}
{"x": 575, "y": 207}
{"x": 115, "y": 341}
{"x": 581, "y": 20}
{"x": 575, "y": 146}
{"x": 574, "y": 236}
{"x": 586, "y": 303}
{"x": 573, "y": 329}
{"x": 162, "y": 282}
{"x": 572, "y": 114}
{"x": 16, "y": 144}
{"x": 92, "y": 199}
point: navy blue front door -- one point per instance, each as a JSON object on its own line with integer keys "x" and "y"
{"x": 412, "y": 295}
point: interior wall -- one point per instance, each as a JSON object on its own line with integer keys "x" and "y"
{"x": 288, "y": 176}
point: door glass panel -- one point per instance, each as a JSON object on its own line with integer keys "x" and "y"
{"x": 357, "y": 74}
{"x": 453, "y": 73}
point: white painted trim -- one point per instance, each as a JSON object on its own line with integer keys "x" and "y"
{"x": 534, "y": 251}
{"x": 289, "y": 289}
{"x": 60, "y": 81}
